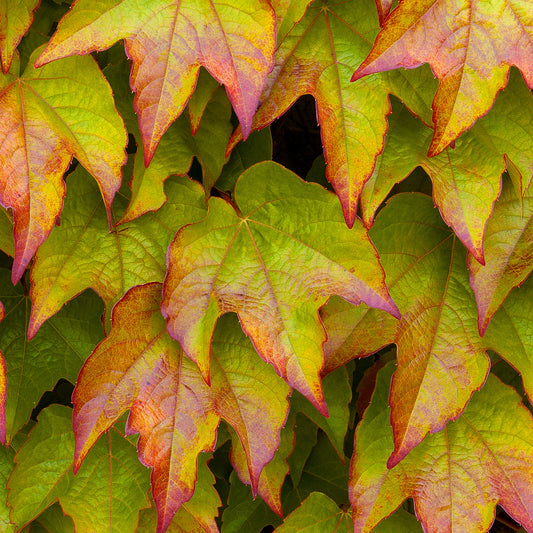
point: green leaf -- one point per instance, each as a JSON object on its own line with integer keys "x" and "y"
{"x": 194, "y": 516}
{"x": 82, "y": 253}
{"x": 462, "y": 41}
{"x": 52, "y": 519}
{"x": 16, "y": 17}
{"x": 266, "y": 241}
{"x": 317, "y": 514}
{"x": 508, "y": 252}
{"x": 317, "y": 56}
{"x": 47, "y": 116}
{"x": 138, "y": 366}
{"x": 6, "y": 466}
{"x": 338, "y": 394}
{"x": 441, "y": 357}
{"x": 466, "y": 179}
{"x": 509, "y": 333}
{"x": 112, "y": 484}
{"x": 243, "y": 513}
{"x": 57, "y": 351}
{"x": 305, "y": 437}
{"x": 479, "y": 460}
{"x": 234, "y": 42}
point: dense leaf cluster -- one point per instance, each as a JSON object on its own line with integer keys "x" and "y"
{"x": 248, "y": 349}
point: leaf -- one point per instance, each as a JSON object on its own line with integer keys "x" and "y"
{"x": 318, "y": 513}
{"x": 441, "y": 357}
{"x": 270, "y": 247}
{"x": 243, "y": 514}
{"x": 3, "y": 387}
{"x": 7, "y": 244}
{"x": 82, "y": 253}
{"x": 196, "y": 515}
{"x": 206, "y": 87}
{"x": 508, "y": 252}
{"x": 462, "y": 41}
{"x": 52, "y": 519}
{"x": 57, "y": 351}
{"x": 383, "y": 7}
{"x": 399, "y": 522}
{"x": 168, "y": 41}
{"x": 6, "y": 466}
{"x": 288, "y": 13}
{"x": 47, "y": 116}
{"x": 273, "y": 474}
{"x": 479, "y": 460}
{"x": 338, "y": 394}
{"x": 509, "y": 333}
{"x": 317, "y": 56}
{"x": 466, "y": 179}
{"x": 139, "y": 366}
{"x": 177, "y": 148}
{"x": 305, "y": 437}
{"x": 111, "y": 483}
{"x": 16, "y": 17}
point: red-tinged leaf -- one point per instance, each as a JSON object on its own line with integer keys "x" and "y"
{"x": 139, "y": 366}
{"x": 383, "y": 7}
{"x": 441, "y": 357}
{"x": 112, "y": 484}
{"x": 195, "y": 516}
{"x": 16, "y": 17}
{"x": 3, "y": 388}
{"x": 466, "y": 179}
{"x": 273, "y": 474}
{"x": 317, "y": 513}
{"x": 456, "y": 476}
{"x": 47, "y": 116}
{"x": 177, "y": 148}
{"x": 509, "y": 332}
{"x": 354, "y": 332}
{"x": 82, "y": 253}
{"x": 317, "y": 57}
{"x": 288, "y": 13}
{"x": 462, "y": 41}
{"x": 168, "y": 41}
{"x": 57, "y": 351}
{"x": 286, "y": 270}
{"x": 508, "y": 252}
{"x": 204, "y": 91}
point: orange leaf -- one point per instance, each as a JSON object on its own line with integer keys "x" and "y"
{"x": 470, "y": 47}
{"x": 46, "y": 117}
{"x": 139, "y": 367}
{"x": 168, "y": 41}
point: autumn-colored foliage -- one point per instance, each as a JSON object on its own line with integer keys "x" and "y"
{"x": 259, "y": 351}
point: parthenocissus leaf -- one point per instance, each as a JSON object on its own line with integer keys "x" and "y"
{"x": 83, "y": 253}
{"x": 48, "y": 115}
{"x": 168, "y": 41}
{"x": 466, "y": 179}
{"x": 196, "y": 515}
{"x": 274, "y": 259}
{"x": 107, "y": 492}
{"x": 57, "y": 351}
{"x": 510, "y": 332}
{"x": 441, "y": 357}
{"x": 177, "y": 148}
{"x": 139, "y": 367}
{"x": 317, "y": 513}
{"x": 317, "y": 56}
{"x": 3, "y": 390}
{"x": 456, "y": 476}
{"x": 508, "y": 252}
{"x": 16, "y": 17}
{"x": 470, "y": 46}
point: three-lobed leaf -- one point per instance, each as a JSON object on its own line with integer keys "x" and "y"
{"x": 462, "y": 41}
{"x": 456, "y": 476}
{"x": 48, "y": 115}
{"x": 274, "y": 259}
{"x": 168, "y": 41}
{"x": 139, "y": 367}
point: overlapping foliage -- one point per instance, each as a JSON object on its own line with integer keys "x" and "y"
{"x": 276, "y": 353}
